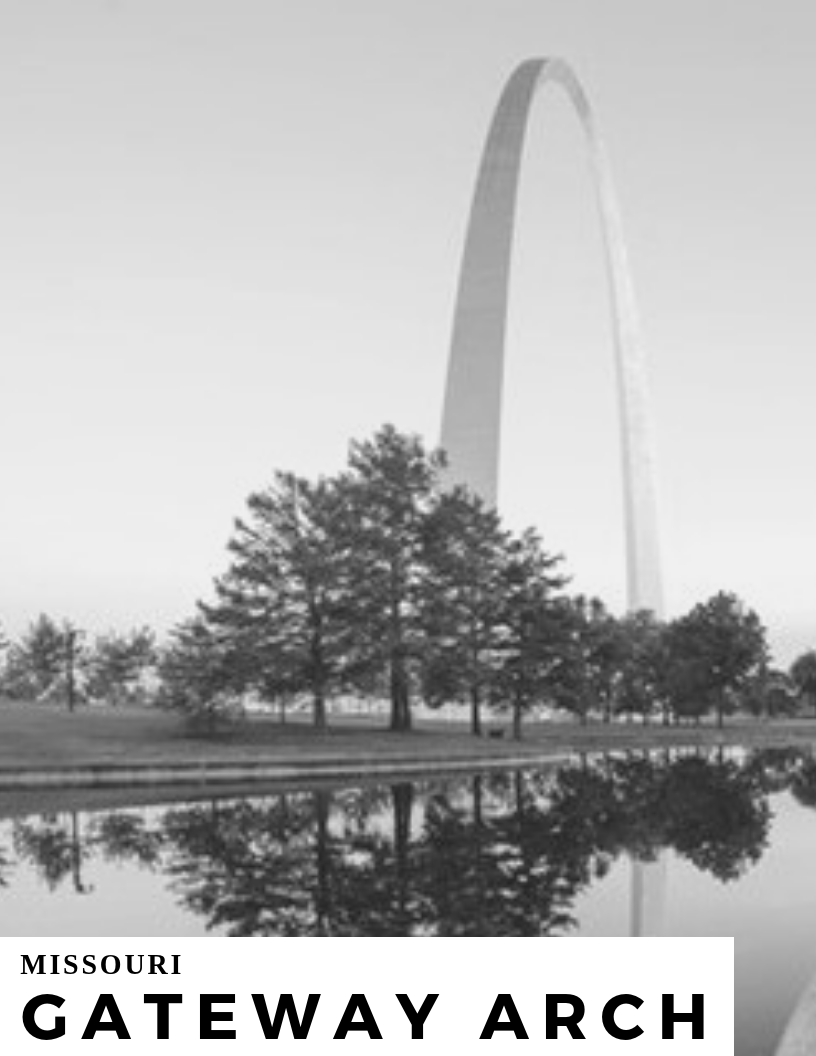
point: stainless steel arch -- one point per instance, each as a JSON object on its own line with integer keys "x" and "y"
{"x": 471, "y": 422}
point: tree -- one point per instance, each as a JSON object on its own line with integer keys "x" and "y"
{"x": 592, "y": 659}
{"x": 74, "y": 656}
{"x": 713, "y": 653}
{"x": 641, "y": 657}
{"x": 196, "y": 671}
{"x": 535, "y": 625}
{"x": 282, "y": 603}
{"x": 386, "y": 498}
{"x": 803, "y": 675}
{"x": 118, "y": 665}
{"x": 44, "y": 662}
{"x": 5, "y": 646}
{"x": 771, "y": 693}
{"x": 465, "y": 550}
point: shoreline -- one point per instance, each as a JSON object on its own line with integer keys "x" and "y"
{"x": 46, "y": 751}
{"x": 217, "y": 772}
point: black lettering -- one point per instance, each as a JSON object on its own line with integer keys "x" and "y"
{"x": 207, "y": 1016}
{"x": 695, "y": 1017}
{"x": 70, "y": 967}
{"x": 503, "y": 1003}
{"x": 608, "y": 1017}
{"x": 105, "y": 1003}
{"x": 162, "y": 1003}
{"x": 357, "y": 1003}
{"x": 176, "y": 964}
{"x": 156, "y": 964}
{"x": 286, "y": 1007}
{"x": 30, "y": 1024}
{"x": 37, "y": 966}
{"x": 130, "y": 959}
{"x": 89, "y": 961}
{"x": 417, "y": 1018}
{"x": 116, "y": 965}
{"x": 554, "y": 1020}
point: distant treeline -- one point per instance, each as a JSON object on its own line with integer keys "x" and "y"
{"x": 381, "y": 583}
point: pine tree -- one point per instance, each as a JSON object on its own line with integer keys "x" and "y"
{"x": 281, "y": 602}
{"x": 387, "y": 496}
{"x": 117, "y": 665}
{"x": 195, "y": 670}
{"x": 45, "y": 661}
{"x": 465, "y": 550}
{"x": 535, "y": 626}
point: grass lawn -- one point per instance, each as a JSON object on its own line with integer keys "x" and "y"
{"x": 41, "y": 736}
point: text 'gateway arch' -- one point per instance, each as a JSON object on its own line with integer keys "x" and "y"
{"x": 471, "y": 420}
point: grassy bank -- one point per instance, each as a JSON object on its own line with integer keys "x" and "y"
{"x": 36, "y": 736}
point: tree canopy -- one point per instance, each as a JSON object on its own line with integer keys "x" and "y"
{"x": 379, "y": 582}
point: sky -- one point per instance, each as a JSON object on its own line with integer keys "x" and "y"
{"x": 229, "y": 239}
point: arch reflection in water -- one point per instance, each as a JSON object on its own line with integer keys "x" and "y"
{"x": 799, "y": 1038}
{"x": 649, "y": 892}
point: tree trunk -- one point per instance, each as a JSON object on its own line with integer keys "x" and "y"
{"x": 400, "y": 706}
{"x": 319, "y": 712}
{"x": 69, "y": 672}
{"x": 318, "y": 677}
{"x": 475, "y": 712}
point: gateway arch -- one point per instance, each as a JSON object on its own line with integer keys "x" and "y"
{"x": 471, "y": 423}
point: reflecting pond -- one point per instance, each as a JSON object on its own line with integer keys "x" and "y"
{"x": 675, "y": 844}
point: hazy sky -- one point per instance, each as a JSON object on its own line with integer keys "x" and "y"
{"x": 229, "y": 241}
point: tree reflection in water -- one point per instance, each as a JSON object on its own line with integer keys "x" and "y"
{"x": 491, "y": 854}
{"x": 55, "y": 844}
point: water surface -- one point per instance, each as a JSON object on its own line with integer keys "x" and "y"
{"x": 674, "y": 844}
